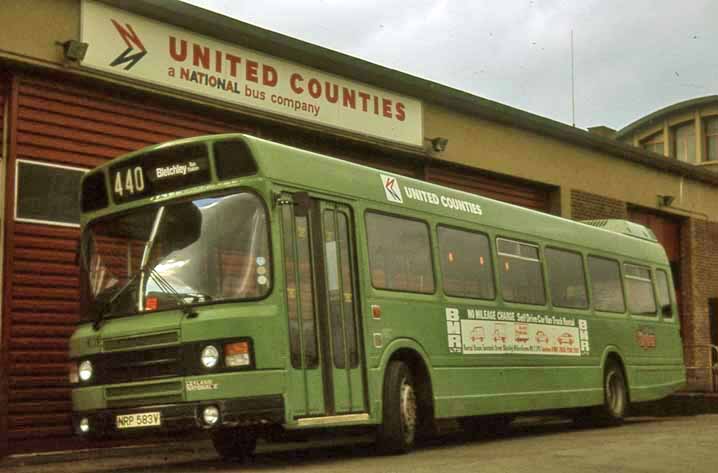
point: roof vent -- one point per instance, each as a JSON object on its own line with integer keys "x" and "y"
{"x": 624, "y": 227}
{"x": 595, "y": 223}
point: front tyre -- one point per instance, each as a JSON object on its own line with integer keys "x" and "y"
{"x": 234, "y": 444}
{"x": 397, "y": 432}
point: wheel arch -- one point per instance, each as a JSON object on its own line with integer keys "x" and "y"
{"x": 416, "y": 359}
{"x": 613, "y": 354}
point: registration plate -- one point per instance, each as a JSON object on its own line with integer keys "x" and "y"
{"x": 142, "y": 419}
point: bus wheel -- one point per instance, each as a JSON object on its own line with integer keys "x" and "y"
{"x": 234, "y": 444}
{"x": 397, "y": 432}
{"x": 615, "y": 396}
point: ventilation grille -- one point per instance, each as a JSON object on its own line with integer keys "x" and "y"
{"x": 174, "y": 387}
{"x": 113, "y": 344}
{"x": 129, "y": 366}
{"x": 596, "y": 223}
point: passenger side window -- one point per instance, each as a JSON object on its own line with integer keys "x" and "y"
{"x": 466, "y": 263}
{"x": 566, "y": 279}
{"x": 606, "y": 285}
{"x": 399, "y": 254}
{"x": 521, "y": 275}
{"x": 639, "y": 288}
{"x": 664, "y": 293}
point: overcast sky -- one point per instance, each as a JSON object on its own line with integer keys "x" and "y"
{"x": 632, "y": 57}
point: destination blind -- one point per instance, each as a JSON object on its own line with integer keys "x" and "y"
{"x": 160, "y": 172}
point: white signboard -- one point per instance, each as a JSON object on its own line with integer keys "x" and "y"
{"x": 495, "y": 332}
{"x": 136, "y": 47}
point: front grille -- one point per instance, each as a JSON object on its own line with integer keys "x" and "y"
{"x": 113, "y": 344}
{"x": 143, "y": 389}
{"x": 139, "y": 365}
{"x": 150, "y": 401}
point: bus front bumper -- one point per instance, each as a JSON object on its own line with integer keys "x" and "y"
{"x": 180, "y": 416}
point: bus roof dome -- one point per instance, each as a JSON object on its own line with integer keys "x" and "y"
{"x": 624, "y": 227}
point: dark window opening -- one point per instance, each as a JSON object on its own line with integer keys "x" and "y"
{"x": 606, "y": 286}
{"x": 399, "y": 254}
{"x": 566, "y": 279}
{"x": 94, "y": 192}
{"x": 233, "y": 159}
{"x": 521, "y": 273}
{"x": 639, "y": 289}
{"x": 466, "y": 264}
{"x": 48, "y": 194}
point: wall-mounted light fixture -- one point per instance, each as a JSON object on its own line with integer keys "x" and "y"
{"x": 74, "y": 50}
{"x": 438, "y": 144}
{"x": 665, "y": 200}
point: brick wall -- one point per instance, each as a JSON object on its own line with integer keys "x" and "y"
{"x": 699, "y": 277}
{"x": 700, "y": 266}
{"x": 586, "y": 206}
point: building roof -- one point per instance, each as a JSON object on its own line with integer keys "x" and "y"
{"x": 228, "y": 29}
{"x": 660, "y": 114}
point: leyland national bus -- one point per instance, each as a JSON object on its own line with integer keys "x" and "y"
{"x": 244, "y": 287}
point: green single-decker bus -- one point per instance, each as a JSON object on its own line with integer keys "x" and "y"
{"x": 255, "y": 290}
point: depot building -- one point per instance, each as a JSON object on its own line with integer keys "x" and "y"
{"x": 83, "y": 81}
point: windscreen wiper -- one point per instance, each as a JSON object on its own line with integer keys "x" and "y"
{"x": 106, "y": 308}
{"x": 167, "y": 288}
{"x": 139, "y": 274}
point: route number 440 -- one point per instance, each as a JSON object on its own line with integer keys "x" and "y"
{"x": 129, "y": 181}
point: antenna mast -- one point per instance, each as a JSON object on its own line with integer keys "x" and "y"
{"x": 573, "y": 90}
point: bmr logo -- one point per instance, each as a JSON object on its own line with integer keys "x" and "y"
{"x": 391, "y": 189}
{"x": 135, "y": 49}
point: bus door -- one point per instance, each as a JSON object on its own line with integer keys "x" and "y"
{"x": 326, "y": 375}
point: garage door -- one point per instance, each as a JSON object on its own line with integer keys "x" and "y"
{"x": 668, "y": 232}
{"x": 500, "y": 188}
{"x": 60, "y": 129}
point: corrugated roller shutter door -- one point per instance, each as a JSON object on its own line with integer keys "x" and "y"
{"x": 74, "y": 126}
{"x": 523, "y": 194}
{"x": 2, "y": 114}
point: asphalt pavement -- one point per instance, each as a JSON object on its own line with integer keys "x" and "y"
{"x": 643, "y": 444}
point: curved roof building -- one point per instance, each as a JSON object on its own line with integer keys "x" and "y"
{"x": 686, "y": 131}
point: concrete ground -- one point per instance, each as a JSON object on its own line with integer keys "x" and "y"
{"x": 645, "y": 444}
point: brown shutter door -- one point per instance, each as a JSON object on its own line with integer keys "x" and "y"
{"x": 494, "y": 187}
{"x": 4, "y": 88}
{"x": 2, "y": 113}
{"x": 65, "y": 124}
{"x": 668, "y": 232}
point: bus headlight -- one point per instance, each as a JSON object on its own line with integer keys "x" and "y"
{"x": 84, "y": 425}
{"x": 209, "y": 356}
{"x": 85, "y": 370}
{"x": 210, "y": 415}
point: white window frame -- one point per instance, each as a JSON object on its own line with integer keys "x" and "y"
{"x": 17, "y": 178}
{"x": 637, "y": 278}
{"x": 713, "y": 134}
{"x": 511, "y": 255}
{"x": 651, "y": 284}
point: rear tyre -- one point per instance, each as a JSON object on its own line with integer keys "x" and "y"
{"x": 615, "y": 396}
{"x": 397, "y": 432}
{"x": 234, "y": 444}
